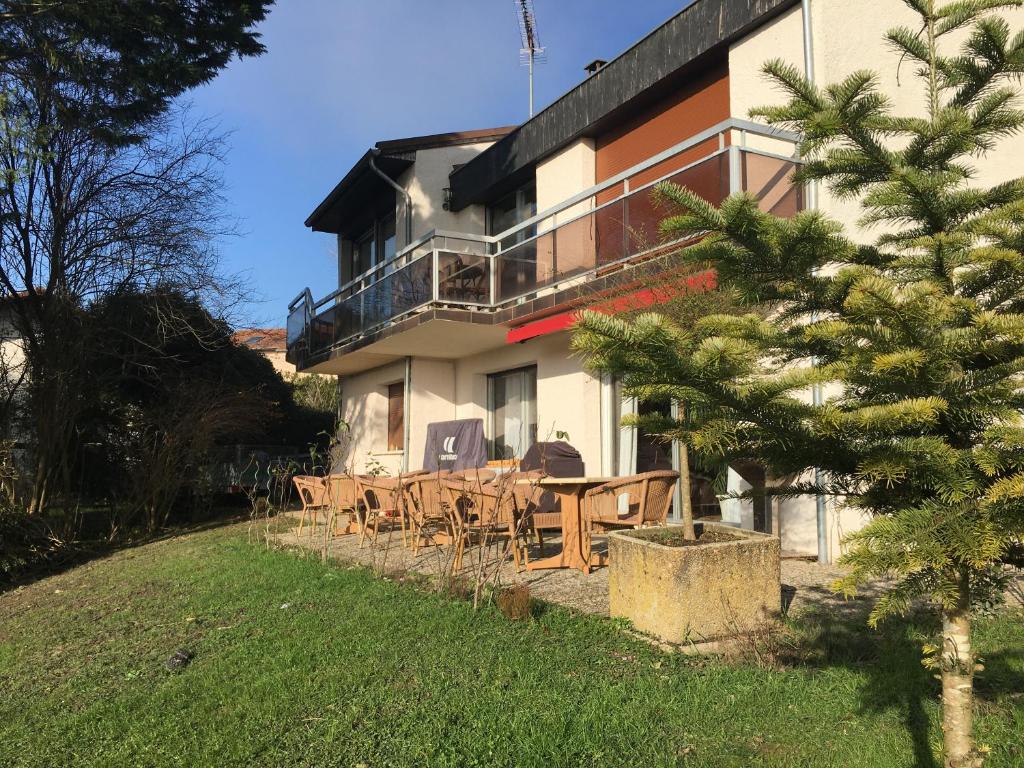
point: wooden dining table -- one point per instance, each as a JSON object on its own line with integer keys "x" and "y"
{"x": 575, "y": 534}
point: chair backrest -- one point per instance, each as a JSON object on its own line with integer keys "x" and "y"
{"x": 378, "y": 493}
{"x": 649, "y": 495}
{"x": 312, "y": 490}
{"x": 342, "y": 491}
{"x": 486, "y": 503}
{"x": 425, "y": 496}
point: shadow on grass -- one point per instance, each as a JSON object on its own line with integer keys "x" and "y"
{"x": 87, "y": 549}
{"x": 889, "y": 659}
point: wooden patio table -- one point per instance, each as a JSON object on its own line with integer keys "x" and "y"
{"x": 575, "y": 535}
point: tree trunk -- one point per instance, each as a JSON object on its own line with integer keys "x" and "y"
{"x": 957, "y": 666}
{"x": 684, "y": 487}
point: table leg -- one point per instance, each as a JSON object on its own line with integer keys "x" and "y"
{"x": 572, "y": 554}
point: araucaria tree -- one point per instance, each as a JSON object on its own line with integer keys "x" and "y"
{"x": 917, "y": 339}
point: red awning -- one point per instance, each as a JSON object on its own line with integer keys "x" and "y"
{"x": 648, "y": 297}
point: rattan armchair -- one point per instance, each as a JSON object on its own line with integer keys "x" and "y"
{"x": 343, "y": 497}
{"x": 649, "y": 496}
{"x": 538, "y": 504}
{"x": 314, "y": 497}
{"x": 426, "y": 509}
{"x": 483, "y": 509}
{"x": 381, "y": 499}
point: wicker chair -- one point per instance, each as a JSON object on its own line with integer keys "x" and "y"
{"x": 536, "y": 504}
{"x": 382, "y": 505}
{"x": 649, "y": 498}
{"x": 314, "y": 497}
{"x": 426, "y": 507}
{"x": 478, "y": 509}
{"x": 343, "y": 496}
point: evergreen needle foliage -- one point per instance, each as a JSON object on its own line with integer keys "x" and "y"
{"x": 917, "y": 339}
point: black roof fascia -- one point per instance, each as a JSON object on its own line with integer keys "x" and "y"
{"x": 675, "y": 45}
{"x": 363, "y": 182}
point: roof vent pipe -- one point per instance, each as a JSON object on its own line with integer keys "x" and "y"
{"x": 374, "y": 153}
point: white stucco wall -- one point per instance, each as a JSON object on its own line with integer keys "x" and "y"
{"x": 364, "y": 407}
{"x": 425, "y": 181}
{"x": 568, "y": 398}
{"x": 564, "y": 174}
{"x": 433, "y": 399}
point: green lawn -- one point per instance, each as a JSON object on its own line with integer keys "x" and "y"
{"x": 361, "y": 671}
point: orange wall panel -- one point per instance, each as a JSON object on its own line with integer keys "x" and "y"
{"x": 699, "y": 104}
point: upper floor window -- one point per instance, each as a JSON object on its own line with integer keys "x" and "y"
{"x": 514, "y": 208}
{"x": 377, "y": 245}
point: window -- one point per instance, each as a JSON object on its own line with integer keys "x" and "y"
{"x": 387, "y": 238}
{"x": 376, "y": 245}
{"x": 514, "y": 208}
{"x": 364, "y": 252}
{"x": 396, "y": 417}
{"x": 512, "y": 411}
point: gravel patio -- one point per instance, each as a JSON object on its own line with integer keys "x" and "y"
{"x": 805, "y": 583}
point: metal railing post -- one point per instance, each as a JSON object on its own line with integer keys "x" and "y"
{"x": 735, "y": 170}
{"x": 436, "y": 277}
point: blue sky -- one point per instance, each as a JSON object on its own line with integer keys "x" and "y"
{"x": 340, "y": 75}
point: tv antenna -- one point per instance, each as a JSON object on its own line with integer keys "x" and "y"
{"x": 531, "y": 53}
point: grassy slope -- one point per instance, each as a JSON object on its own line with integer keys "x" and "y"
{"x": 362, "y": 671}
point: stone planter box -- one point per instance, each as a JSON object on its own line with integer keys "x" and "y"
{"x": 696, "y": 593}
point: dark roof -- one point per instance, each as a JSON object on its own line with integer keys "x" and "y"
{"x": 361, "y": 184}
{"x": 452, "y": 139}
{"x": 660, "y": 60}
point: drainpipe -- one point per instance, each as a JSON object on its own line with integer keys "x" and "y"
{"x": 406, "y": 414}
{"x": 812, "y": 203}
{"x": 374, "y": 152}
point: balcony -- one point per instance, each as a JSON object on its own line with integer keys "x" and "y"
{"x": 607, "y": 227}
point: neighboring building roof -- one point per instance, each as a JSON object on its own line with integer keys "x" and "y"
{"x": 659, "y": 61}
{"x": 393, "y": 157}
{"x": 261, "y": 339}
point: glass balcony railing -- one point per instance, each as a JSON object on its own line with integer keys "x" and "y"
{"x": 605, "y": 227}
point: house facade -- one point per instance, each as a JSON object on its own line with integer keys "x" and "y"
{"x": 463, "y": 257}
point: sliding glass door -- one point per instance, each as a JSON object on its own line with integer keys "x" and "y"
{"x": 512, "y": 412}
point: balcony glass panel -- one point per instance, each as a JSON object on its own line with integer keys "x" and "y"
{"x": 770, "y": 179}
{"x": 396, "y": 293}
{"x": 463, "y": 277}
{"x": 525, "y": 268}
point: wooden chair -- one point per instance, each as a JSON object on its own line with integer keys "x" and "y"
{"x": 313, "y": 495}
{"x": 649, "y": 496}
{"x": 382, "y": 505}
{"x": 478, "y": 509}
{"x": 426, "y": 508}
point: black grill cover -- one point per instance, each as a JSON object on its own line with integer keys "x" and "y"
{"x": 557, "y": 459}
{"x": 455, "y": 445}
